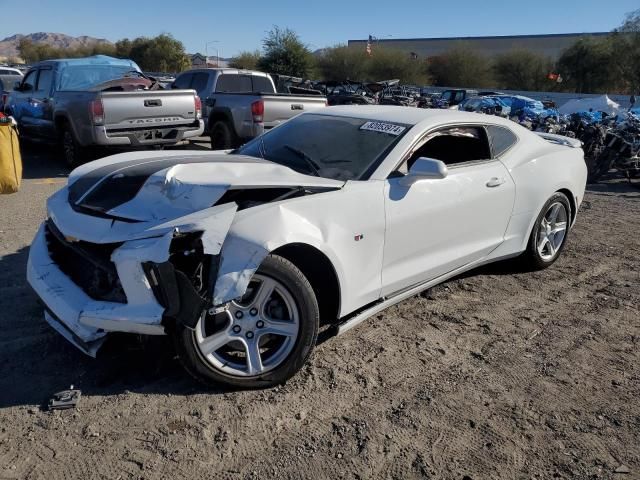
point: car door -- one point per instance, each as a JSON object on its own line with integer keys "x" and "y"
{"x": 41, "y": 104}
{"x": 436, "y": 226}
{"x": 19, "y": 104}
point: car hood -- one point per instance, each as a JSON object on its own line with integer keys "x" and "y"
{"x": 143, "y": 188}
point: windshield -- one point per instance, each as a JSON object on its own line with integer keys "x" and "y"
{"x": 83, "y": 77}
{"x": 340, "y": 148}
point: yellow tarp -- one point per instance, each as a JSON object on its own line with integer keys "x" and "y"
{"x": 10, "y": 160}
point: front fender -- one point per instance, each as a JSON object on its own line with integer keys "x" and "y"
{"x": 346, "y": 225}
{"x": 246, "y": 246}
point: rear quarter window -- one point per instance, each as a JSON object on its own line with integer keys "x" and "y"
{"x": 501, "y": 139}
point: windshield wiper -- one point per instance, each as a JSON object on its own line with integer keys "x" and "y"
{"x": 314, "y": 166}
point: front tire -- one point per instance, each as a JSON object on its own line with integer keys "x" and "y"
{"x": 260, "y": 340}
{"x": 549, "y": 234}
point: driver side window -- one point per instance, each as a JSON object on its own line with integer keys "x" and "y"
{"x": 454, "y": 146}
{"x": 29, "y": 83}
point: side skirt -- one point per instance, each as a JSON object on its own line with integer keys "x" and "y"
{"x": 353, "y": 320}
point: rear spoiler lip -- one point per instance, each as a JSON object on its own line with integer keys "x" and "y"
{"x": 560, "y": 140}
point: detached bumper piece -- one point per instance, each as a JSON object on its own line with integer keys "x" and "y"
{"x": 175, "y": 292}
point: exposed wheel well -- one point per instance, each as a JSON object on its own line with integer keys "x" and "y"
{"x": 60, "y": 123}
{"x": 321, "y": 275}
{"x": 572, "y": 202}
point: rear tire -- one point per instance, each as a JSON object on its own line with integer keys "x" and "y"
{"x": 73, "y": 153}
{"x": 222, "y": 137}
{"x": 549, "y": 234}
{"x": 235, "y": 347}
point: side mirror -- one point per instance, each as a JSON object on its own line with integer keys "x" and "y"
{"x": 423, "y": 169}
{"x": 16, "y": 86}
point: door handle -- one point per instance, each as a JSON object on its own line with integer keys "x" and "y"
{"x": 495, "y": 182}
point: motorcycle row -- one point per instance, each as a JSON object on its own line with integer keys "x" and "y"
{"x": 611, "y": 143}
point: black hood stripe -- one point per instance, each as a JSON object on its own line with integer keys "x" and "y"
{"x": 146, "y": 167}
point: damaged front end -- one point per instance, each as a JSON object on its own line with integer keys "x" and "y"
{"x": 134, "y": 268}
{"x": 182, "y": 284}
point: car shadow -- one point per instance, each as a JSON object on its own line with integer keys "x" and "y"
{"x": 616, "y": 186}
{"x": 40, "y": 160}
{"x": 36, "y": 362}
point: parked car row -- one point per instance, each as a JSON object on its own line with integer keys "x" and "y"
{"x": 103, "y": 102}
{"x": 99, "y": 101}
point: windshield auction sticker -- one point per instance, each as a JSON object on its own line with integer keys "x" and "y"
{"x": 381, "y": 127}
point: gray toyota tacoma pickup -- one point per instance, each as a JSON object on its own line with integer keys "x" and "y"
{"x": 101, "y": 102}
{"x": 242, "y": 104}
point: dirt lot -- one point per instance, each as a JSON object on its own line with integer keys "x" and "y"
{"x": 495, "y": 375}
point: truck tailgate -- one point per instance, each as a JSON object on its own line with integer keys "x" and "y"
{"x": 279, "y": 108}
{"x": 148, "y": 109}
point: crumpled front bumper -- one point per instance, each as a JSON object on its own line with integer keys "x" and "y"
{"x": 85, "y": 321}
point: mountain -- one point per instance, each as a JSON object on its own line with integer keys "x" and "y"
{"x": 9, "y": 46}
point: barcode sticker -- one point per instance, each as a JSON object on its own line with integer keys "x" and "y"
{"x": 382, "y": 127}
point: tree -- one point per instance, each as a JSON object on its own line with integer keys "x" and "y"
{"x": 387, "y": 64}
{"x": 246, "y": 60}
{"x": 123, "y": 48}
{"x": 522, "y": 70}
{"x": 625, "y": 46}
{"x": 285, "y": 54}
{"x": 343, "y": 63}
{"x": 159, "y": 54}
{"x": 352, "y": 63}
{"x": 587, "y": 66}
{"x": 631, "y": 23}
{"x": 461, "y": 67}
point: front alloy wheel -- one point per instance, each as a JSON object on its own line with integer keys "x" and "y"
{"x": 260, "y": 339}
{"x": 253, "y": 335}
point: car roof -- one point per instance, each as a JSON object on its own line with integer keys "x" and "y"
{"x": 92, "y": 60}
{"x": 227, "y": 70}
{"x": 426, "y": 117}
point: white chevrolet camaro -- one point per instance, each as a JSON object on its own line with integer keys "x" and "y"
{"x": 329, "y": 218}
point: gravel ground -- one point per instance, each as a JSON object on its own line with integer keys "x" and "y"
{"x": 497, "y": 374}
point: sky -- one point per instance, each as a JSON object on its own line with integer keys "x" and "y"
{"x": 233, "y": 26}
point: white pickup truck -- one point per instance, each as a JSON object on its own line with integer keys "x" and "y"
{"x": 101, "y": 102}
{"x": 241, "y": 104}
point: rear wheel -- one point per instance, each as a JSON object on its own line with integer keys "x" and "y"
{"x": 74, "y": 154}
{"x": 222, "y": 137}
{"x": 259, "y": 340}
{"x": 549, "y": 233}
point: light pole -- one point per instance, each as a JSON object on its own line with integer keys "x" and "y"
{"x": 206, "y": 50}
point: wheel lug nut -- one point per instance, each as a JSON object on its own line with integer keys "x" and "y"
{"x": 253, "y": 311}
{"x": 239, "y": 314}
{"x": 259, "y": 324}
{"x": 249, "y": 334}
{"x": 236, "y": 329}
